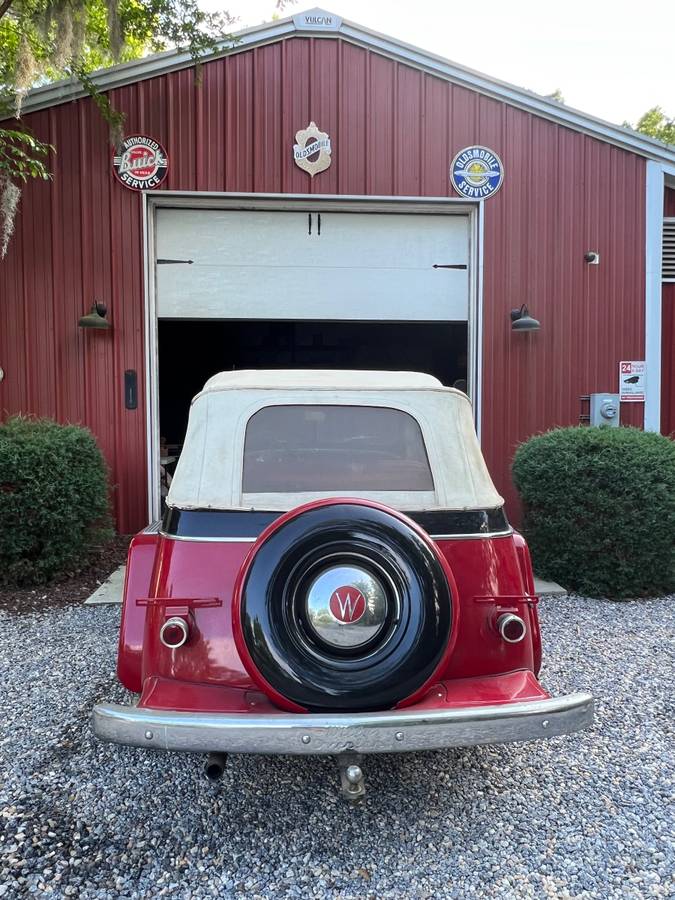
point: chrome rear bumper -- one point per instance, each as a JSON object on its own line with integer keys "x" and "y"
{"x": 309, "y": 733}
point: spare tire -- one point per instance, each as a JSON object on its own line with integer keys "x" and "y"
{"x": 343, "y": 605}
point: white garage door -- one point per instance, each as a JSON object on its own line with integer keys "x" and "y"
{"x": 297, "y": 265}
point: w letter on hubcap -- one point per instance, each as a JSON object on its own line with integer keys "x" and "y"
{"x": 347, "y": 604}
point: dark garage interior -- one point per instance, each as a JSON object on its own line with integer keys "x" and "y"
{"x": 190, "y": 351}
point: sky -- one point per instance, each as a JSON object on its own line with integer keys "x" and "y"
{"x": 610, "y": 58}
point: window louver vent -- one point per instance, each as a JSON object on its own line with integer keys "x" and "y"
{"x": 668, "y": 269}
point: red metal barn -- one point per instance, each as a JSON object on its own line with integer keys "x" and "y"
{"x": 386, "y": 257}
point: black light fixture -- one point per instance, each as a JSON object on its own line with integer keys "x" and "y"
{"x": 96, "y": 318}
{"x": 521, "y": 320}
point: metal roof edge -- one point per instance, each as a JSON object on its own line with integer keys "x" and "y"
{"x": 152, "y": 66}
{"x": 522, "y": 98}
{"x": 171, "y": 60}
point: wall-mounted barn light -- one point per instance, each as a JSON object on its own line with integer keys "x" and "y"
{"x": 96, "y": 318}
{"x": 521, "y": 320}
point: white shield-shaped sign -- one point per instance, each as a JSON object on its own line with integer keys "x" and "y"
{"x": 312, "y": 149}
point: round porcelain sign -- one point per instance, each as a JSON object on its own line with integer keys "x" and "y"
{"x": 476, "y": 172}
{"x": 140, "y": 163}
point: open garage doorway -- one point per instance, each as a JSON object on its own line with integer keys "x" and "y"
{"x": 311, "y": 283}
{"x": 191, "y": 351}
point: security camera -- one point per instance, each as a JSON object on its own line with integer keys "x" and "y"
{"x": 592, "y": 257}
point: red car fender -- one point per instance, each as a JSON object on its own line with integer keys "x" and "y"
{"x": 525, "y": 562}
{"x": 141, "y": 560}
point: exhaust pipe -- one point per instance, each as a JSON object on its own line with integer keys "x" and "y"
{"x": 214, "y": 766}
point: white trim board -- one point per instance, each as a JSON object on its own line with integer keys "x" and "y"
{"x": 654, "y": 196}
{"x": 173, "y": 60}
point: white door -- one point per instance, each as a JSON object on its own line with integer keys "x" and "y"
{"x": 222, "y": 264}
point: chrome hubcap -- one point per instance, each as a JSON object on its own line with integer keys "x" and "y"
{"x": 346, "y": 606}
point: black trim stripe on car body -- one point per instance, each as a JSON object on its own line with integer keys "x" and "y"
{"x": 218, "y": 524}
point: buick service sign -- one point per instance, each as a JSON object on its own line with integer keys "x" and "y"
{"x": 140, "y": 163}
{"x": 476, "y": 172}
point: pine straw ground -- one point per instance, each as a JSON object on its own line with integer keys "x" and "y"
{"x": 70, "y": 587}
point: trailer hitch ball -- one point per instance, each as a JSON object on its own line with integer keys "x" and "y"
{"x": 351, "y": 776}
{"x": 354, "y": 774}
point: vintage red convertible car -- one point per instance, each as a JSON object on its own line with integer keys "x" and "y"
{"x": 334, "y": 574}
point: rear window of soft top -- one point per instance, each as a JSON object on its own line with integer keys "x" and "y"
{"x": 305, "y": 448}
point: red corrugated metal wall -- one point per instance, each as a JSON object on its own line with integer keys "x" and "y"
{"x": 394, "y": 131}
{"x": 668, "y": 340}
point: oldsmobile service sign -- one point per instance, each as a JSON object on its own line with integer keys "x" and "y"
{"x": 477, "y": 172}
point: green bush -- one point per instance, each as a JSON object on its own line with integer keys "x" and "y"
{"x": 54, "y": 507}
{"x": 599, "y": 509}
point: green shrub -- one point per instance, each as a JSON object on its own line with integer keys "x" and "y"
{"x": 54, "y": 508}
{"x": 599, "y": 509}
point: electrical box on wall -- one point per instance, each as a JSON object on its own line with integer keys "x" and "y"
{"x": 605, "y": 410}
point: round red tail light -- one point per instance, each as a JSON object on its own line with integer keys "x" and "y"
{"x": 511, "y": 627}
{"x": 174, "y": 633}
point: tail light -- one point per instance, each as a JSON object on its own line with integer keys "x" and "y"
{"x": 174, "y": 632}
{"x": 511, "y": 627}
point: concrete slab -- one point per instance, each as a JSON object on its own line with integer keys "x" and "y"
{"x": 548, "y": 588}
{"x": 110, "y": 591}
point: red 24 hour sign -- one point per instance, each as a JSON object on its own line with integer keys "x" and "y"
{"x": 632, "y": 381}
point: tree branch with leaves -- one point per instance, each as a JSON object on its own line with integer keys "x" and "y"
{"x": 22, "y": 157}
{"x": 655, "y": 123}
{"x": 45, "y": 40}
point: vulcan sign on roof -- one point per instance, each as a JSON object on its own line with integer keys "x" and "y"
{"x": 317, "y": 20}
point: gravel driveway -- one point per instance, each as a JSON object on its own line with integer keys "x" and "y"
{"x": 582, "y": 816}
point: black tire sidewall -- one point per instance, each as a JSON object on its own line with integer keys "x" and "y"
{"x": 278, "y": 645}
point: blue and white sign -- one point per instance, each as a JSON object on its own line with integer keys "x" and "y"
{"x": 477, "y": 172}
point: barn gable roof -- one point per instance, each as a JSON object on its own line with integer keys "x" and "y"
{"x": 321, "y": 23}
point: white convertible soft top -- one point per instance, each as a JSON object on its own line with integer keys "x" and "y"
{"x": 209, "y": 471}
{"x": 319, "y": 379}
